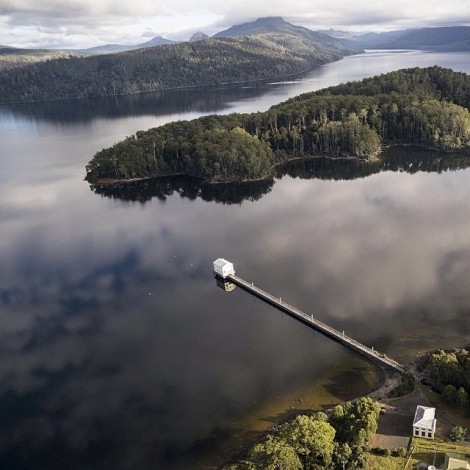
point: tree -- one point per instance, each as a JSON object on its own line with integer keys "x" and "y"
{"x": 273, "y": 454}
{"x": 458, "y": 433}
{"x": 356, "y": 422}
{"x": 312, "y": 439}
{"x": 342, "y": 455}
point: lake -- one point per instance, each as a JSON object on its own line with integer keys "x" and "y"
{"x": 118, "y": 350}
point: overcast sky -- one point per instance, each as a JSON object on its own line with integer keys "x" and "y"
{"x": 86, "y": 23}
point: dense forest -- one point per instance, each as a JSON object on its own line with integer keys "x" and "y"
{"x": 188, "y": 64}
{"x": 414, "y": 106}
{"x": 317, "y": 441}
{"x": 452, "y": 369}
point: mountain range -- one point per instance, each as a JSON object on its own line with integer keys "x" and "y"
{"x": 451, "y": 38}
{"x": 267, "y": 48}
{"x": 445, "y": 39}
{"x": 269, "y": 25}
{"x": 113, "y": 48}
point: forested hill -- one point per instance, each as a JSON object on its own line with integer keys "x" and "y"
{"x": 427, "y": 107}
{"x": 213, "y": 61}
{"x": 12, "y": 57}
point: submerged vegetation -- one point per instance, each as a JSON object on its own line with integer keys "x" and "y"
{"x": 414, "y": 106}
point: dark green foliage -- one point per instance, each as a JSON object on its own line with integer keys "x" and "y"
{"x": 406, "y": 108}
{"x": 210, "y": 148}
{"x": 382, "y": 451}
{"x": 452, "y": 369}
{"x": 356, "y": 422}
{"x": 406, "y": 385}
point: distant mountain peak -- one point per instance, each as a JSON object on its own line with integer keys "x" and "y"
{"x": 156, "y": 41}
{"x": 199, "y": 36}
{"x": 276, "y": 25}
{"x": 259, "y": 26}
{"x": 270, "y": 20}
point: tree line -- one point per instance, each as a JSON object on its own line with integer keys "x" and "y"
{"x": 413, "y": 106}
{"x": 452, "y": 369}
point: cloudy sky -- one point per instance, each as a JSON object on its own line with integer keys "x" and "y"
{"x": 86, "y": 23}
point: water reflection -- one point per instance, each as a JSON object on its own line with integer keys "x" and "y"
{"x": 186, "y": 187}
{"x": 409, "y": 160}
{"x": 118, "y": 351}
{"x": 141, "y": 104}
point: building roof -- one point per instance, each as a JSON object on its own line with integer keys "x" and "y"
{"x": 424, "y": 417}
{"x": 454, "y": 462}
{"x": 221, "y": 262}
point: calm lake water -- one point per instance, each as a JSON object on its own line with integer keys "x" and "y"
{"x": 117, "y": 348}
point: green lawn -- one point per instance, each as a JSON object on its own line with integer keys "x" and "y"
{"x": 433, "y": 452}
{"x": 378, "y": 462}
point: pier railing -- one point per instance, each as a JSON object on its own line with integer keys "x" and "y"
{"x": 340, "y": 337}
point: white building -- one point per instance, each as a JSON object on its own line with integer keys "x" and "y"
{"x": 424, "y": 422}
{"x": 223, "y": 268}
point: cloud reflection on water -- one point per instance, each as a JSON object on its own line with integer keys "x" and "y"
{"x": 113, "y": 327}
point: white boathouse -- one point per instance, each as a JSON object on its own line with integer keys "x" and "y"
{"x": 424, "y": 422}
{"x": 223, "y": 268}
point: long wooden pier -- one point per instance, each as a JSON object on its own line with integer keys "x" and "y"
{"x": 369, "y": 353}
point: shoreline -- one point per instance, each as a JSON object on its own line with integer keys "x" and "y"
{"x": 376, "y": 157}
{"x": 270, "y": 176}
{"x": 315, "y": 395}
{"x": 387, "y": 381}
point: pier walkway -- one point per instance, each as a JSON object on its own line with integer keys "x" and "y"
{"x": 369, "y": 353}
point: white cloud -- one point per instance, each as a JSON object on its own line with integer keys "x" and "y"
{"x": 52, "y": 22}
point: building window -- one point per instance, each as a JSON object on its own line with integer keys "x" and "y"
{"x": 423, "y": 433}
{"x": 416, "y": 432}
{"x": 429, "y": 434}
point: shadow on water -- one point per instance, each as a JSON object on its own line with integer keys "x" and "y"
{"x": 205, "y": 100}
{"x": 336, "y": 385}
{"x": 402, "y": 159}
{"x": 186, "y": 187}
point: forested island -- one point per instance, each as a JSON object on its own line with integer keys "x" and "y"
{"x": 419, "y": 106}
